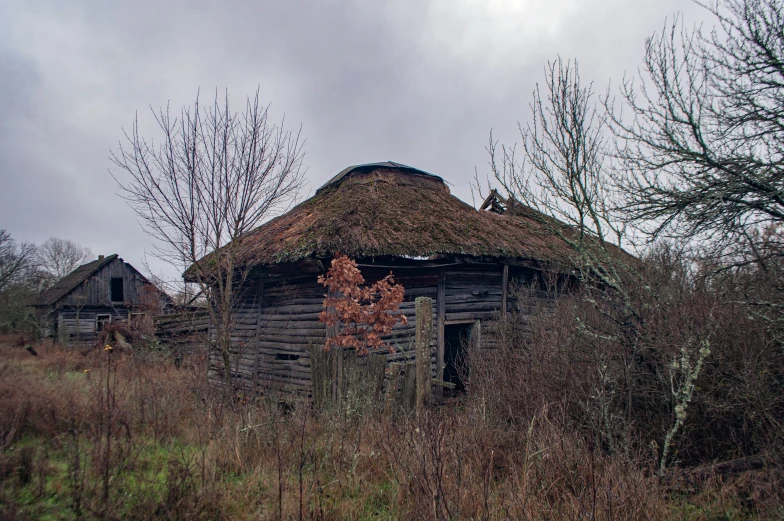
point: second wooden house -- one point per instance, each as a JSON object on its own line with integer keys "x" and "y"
{"x": 80, "y": 305}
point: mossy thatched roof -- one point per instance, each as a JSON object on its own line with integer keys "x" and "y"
{"x": 393, "y": 210}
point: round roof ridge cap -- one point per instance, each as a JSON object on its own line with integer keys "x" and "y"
{"x": 369, "y": 167}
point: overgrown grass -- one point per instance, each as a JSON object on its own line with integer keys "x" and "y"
{"x": 153, "y": 442}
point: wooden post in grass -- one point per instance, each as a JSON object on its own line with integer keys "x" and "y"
{"x": 424, "y": 333}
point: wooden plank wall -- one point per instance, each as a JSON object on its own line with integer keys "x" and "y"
{"x": 183, "y": 332}
{"x": 472, "y": 295}
{"x": 528, "y": 297}
{"x": 81, "y": 322}
{"x": 417, "y": 283}
{"x": 95, "y": 290}
{"x": 276, "y": 323}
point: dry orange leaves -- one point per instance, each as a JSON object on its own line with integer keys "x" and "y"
{"x": 363, "y": 314}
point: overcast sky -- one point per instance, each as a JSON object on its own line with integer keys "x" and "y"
{"x": 414, "y": 81}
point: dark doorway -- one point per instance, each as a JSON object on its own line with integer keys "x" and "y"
{"x": 117, "y": 289}
{"x": 457, "y": 339}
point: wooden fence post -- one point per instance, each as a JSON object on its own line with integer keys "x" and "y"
{"x": 321, "y": 376}
{"x": 408, "y": 394}
{"x": 424, "y": 334}
{"x": 336, "y": 360}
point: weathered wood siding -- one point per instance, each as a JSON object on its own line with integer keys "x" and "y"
{"x": 73, "y": 317}
{"x": 186, "y": 331}
{"x": 95, "y": 291}
{"x": 79, "y": 324}
{"x": 276, "y": 323}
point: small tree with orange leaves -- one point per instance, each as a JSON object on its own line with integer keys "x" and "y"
{"x": 366, "y": 313}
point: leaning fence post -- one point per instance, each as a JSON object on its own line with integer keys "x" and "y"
{"x": 424, "y": 333}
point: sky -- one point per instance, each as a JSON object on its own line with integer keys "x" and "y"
{"x": 419, "y": 82}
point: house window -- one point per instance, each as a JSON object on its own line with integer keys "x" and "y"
{"x": 101, "y": 321}
{"x": 117, "y": 289}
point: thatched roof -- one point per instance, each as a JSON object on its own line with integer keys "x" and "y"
{"x": 68, "y": 283}
{"x": 388, "y": 209}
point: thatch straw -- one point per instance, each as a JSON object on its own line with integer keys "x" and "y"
{"x": 393, "y": 212}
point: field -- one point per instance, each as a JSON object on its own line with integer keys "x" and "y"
{"x": 107, "y": 434}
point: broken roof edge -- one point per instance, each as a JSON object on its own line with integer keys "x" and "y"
{"x": 369, "y": 167}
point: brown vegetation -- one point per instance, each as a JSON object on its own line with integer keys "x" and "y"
{"x": 651, "y": 389}
{"x": 124, "y": 434}
{"x": 366, "y": 312}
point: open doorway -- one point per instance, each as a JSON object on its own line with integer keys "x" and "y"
{"x": 458, "y": 338}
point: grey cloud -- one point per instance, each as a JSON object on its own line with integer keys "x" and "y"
{"x": 412, "y": 81}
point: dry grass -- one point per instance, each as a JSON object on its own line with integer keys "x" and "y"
{"x": 153, "y": 442}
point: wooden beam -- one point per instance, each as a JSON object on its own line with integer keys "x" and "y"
{"x": 440, "y": 316}
{"x": 424, "y": 334}
{"x": 492, "y": 196}
{"x": 259, "y": 307}
{"x": 504, "y": 290}
{"x": 336, "y": 355}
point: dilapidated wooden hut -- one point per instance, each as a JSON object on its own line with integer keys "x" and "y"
{"x": 80, "y": 305}
{"x": 389, "y": 218}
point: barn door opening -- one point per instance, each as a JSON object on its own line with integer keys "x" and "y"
{"x": 458, "y": 339}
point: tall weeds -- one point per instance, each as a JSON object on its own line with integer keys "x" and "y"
{"x": 112, "y": 435}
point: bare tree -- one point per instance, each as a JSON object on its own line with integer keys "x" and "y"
{"x": 59, "y": 257}
{"x": 16, "y": 260}
{"x": 562, "y": 171}
{"x": 19, "y": 283}
{"x": 213, "y": 177}
{"x": 701, "y": 132}
{"x": 700, "y": 142}
{"x": 564, "y": 176}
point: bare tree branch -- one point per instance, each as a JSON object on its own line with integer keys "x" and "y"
{"x": 214, "y": 176}
{"x": 59, "y": 257}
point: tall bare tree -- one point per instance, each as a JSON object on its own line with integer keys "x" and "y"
{"x": 19, "y": 283}
{"x": 562, "y": 171}
{"x": 700, "y": 139}
{"x": 16, "y": 259}
{"x": 701, "y": 131}
{"x": 59, "y": 257}
{"x": 213, "y": 176}
{"x": 564, "y": 174}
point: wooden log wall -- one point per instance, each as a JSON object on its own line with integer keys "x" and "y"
{"x": 287, "y": 329}
{"x": 527, "y": 298}
{"x": 276, "y": 324}
{"x": 185, "y": 331}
